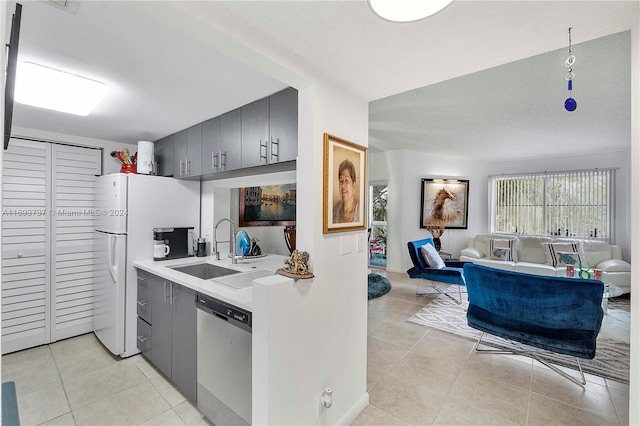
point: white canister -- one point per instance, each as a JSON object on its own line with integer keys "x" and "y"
{"x": 145, "y": 158}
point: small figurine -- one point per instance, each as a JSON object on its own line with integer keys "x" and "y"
{"x": 255, "y": 249}
{"x": 296, "y": 266}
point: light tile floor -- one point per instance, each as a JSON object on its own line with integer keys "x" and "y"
{"x": 77, "y": 382}
{"x": 415, "y": 376}
{"x": 421, "y": 376}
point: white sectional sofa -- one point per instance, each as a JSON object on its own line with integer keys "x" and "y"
{"x": 546, "y": 255}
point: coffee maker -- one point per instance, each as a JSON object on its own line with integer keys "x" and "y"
{"x": 172, "y": 243}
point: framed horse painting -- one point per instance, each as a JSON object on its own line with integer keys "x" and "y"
{"x": 444, "y": 203}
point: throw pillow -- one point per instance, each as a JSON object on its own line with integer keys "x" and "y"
{"x": 569, "y": 258}
{"x": 562, "y": 254}
{"x": 431, "y": 256}
{"x": 502, "y": 249}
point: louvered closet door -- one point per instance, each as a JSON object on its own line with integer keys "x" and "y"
{"x": 25, "y": 245}
{"x": 74, "y": 170}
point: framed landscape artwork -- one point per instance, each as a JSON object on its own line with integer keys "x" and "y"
{"x": 344, "y": 181}
{"x": 444, "y": 201}
{"x": 268, "y": 205}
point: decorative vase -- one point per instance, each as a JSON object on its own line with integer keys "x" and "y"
{"x": 128, "y": 168}
{"x": 290, "y": 238}
{"x": 243, "y": 243}
{"x": 437, "y": 244}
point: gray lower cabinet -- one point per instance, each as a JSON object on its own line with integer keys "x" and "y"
{"x": 163, "y": 153}
{"x": 167, "y": 333}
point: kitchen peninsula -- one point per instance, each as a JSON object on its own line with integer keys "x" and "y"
{"x": 241, "y": 298}
{"x": 199, "y": 331}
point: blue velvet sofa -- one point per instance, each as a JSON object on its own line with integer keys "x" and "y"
{"x": 558, "y": 314}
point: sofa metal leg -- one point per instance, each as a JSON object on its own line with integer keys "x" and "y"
{"x": 580, "y": 382}
{"x": 459, "y": 301}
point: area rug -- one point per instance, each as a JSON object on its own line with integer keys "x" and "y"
{"x": 611, "y": 360}
{"x": 378, "y": 286}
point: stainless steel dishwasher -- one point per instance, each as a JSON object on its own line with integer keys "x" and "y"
{"x": 224, "y": 361}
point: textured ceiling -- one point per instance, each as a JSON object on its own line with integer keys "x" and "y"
{"x": 516, "y": 111}
{"x": 166, "y": 78}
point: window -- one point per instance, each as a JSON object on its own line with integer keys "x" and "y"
{"x": 378, "y": 224}
{"x": 572, "y": 204}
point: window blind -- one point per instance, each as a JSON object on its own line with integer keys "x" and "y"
{"x": 572, "y": 204}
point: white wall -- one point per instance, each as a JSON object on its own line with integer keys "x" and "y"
{"x": 314, "y": 331}
{"x": 404, "y": 169}
{"x": 634, "y": 374}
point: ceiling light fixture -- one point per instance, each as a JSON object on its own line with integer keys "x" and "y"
{"x": 49, "y": 88}
{"x": 406, "y": 10}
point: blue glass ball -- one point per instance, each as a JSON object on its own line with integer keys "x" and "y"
{"x": 243, "y": 243}
{"x": 570, "y": 104}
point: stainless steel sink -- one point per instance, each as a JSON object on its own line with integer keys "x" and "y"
{"x": 205, "y": 271}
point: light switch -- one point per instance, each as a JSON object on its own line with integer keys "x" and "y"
{"x": 361, "y": 242}
{"x": 347, "y": 244}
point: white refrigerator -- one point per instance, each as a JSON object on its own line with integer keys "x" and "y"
{"x": 128, "y": 207}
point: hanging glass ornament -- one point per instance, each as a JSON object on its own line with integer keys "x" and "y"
{"x": 570, "y": 104}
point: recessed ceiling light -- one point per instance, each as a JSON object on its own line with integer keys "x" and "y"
{"x": 407, "y": 10}
{"x": 49, "y": 88}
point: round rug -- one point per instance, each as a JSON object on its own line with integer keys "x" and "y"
{"x": 378, "y": 286}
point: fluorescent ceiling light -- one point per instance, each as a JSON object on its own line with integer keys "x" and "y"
{"x": 49, "y": 88}
{"x": 407, "y": 10}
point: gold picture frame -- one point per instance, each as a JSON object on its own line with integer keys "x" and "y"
{"x": 345, "y": 166}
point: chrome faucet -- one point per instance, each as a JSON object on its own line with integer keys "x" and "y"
{"x": 231, "y": 240}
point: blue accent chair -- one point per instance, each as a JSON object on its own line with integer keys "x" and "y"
{"x": 557, "y": 314}
{"x": 452, "y": 273}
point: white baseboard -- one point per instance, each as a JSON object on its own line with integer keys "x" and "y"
{"x": 355, "y": 410}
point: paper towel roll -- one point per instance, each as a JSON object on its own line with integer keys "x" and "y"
{"x": 145, "y": 157}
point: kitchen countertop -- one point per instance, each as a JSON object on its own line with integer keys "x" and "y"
{"x": 242, "y": 298}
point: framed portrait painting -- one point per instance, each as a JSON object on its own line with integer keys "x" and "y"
{"x": 344, "y": 185}
{"x": 444, "y": 202}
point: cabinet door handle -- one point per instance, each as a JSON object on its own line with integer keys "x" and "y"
{"x": 180, "y": 171}
{"x": 171, "y": 298}
{"x": 214, "y": 161}
{"x": 186, "y": 168}
{"x": 265, "y": 151}
{"x": 142, "y": 339}
{"x": 223, "y": 164}
{"x": 141, "y": 278}
{"x": 277, "y": 144}
{"x": 164, "y": 291}
{"x": 142, "y": 303}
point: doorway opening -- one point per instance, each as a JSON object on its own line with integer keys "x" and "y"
{"x": 378, "y": 223}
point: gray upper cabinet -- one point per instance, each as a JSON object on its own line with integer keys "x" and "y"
{"x": 255, "y": 133}
{"x": 187, "y": 151}
{"x": 283, "y": 126}
{"x": 263, "y": 132}
{"x": 231, "y": 140}
{"x": 179, "y": 154}
{"x": 211, "y": 151}
{"x": 163, "y": 152}
{"x": 270, "y": 129}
